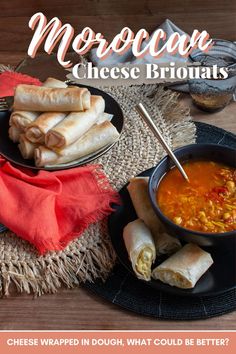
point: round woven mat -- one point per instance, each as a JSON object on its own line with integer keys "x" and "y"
{"x": 123, "y": 289}
{"x": 92, "y": 256}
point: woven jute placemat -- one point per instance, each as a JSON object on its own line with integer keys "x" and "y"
{"x": 91, "y": 256}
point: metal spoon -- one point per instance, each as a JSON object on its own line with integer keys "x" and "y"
{"x": 147, "y": 119}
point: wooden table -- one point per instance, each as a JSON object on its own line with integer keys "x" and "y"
{"x": 78, "y": 309}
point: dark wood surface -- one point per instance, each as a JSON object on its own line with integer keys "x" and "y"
{"x": 78, "y": 309}
{"x": 110, "y": 16}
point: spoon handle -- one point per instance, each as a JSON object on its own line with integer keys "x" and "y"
{"x": 147, "y": 119}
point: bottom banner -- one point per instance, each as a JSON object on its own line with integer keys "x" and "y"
{"x": 117, "y": 341}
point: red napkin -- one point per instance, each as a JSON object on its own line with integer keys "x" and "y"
{"x": 9, "y": 80}
{"x": 49, "y": 209}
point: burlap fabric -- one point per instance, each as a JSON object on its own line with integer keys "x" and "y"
{"x": 91, "y": 256}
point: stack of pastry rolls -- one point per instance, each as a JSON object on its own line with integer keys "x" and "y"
{"x": 55, "y": 124}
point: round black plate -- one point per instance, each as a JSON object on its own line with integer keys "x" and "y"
{"x": 10, "y": 151}
{"x": 220, "y": 277}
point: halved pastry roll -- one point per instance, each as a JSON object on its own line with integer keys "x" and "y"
{"x": 75, "y": 125}
{"x": 36, "y": 131}
{"x": 47, "y": 99}
{"x": 138, "y": 191}
{"x": 184, "y": 268}
{"x": 14, "y": 133}
{"x": 140, "y": 247}
{"x": 99, "y": 136}
{"x": 26, "y": 147}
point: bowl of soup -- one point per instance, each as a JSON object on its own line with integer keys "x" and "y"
{"x": 203, "y": 210}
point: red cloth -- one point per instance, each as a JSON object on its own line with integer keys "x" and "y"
{"x": 9, "y": 80}
{"x": 49, "y": 209}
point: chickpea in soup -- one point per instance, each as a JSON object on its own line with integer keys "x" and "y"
{"x": 207, "y": 203}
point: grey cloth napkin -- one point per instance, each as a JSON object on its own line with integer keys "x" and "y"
{"x": 224, "y": 48}
{"x": 128, "y": 58}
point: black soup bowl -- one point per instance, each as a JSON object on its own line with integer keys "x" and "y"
{"x": 209, "y": 152}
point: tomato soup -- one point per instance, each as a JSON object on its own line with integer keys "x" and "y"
{"x": 207, "y": 203}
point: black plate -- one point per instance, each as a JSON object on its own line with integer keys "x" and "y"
{"x": 220, "y": 277}
{"x": 10, "y": 151}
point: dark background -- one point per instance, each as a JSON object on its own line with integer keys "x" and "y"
{"x": 110, "y": 16}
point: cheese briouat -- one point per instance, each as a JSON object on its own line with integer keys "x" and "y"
{"x": 51, "y": 82}
{"x": 14, "y": 133}
{"x": 35, "y": 132}
{"x": 138, "y": 191}
{"x": 184, "y": 268}
{"x": 97, "y": 137}
{"x": 47, "y": 99}
{"x": 26, "y": 147}
{"x": 22, "y": 119}
{"x": 75, "y": 125}
{"x": 140, "y": 247}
